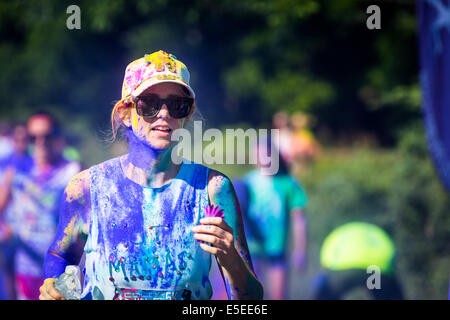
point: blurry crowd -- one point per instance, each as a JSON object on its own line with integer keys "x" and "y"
{"x": 36, "y": 164}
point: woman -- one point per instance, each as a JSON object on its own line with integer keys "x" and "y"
{"x": 140, "y": 218}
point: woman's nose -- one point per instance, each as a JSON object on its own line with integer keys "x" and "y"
{"x": 164, "y": 112}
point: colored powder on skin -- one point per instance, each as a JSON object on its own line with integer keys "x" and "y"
{"x": 74, "y": 190}
{"x": 142, "y": 157}
{"x": 68, "y": 231}
{"x": 134, "y": 120}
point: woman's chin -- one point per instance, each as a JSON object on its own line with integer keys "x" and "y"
{"x": 160, "y": 144}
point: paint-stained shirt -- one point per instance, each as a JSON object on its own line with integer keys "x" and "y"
{"x": 140, "y": 244}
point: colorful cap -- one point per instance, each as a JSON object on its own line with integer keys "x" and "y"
{"x": 152, "y": 69}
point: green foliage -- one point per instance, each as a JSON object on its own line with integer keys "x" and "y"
{"x": 421, "y": 206}
{"x": 247, "y": 58}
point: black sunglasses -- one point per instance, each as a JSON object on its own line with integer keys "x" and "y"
{"x": 148, "y": 106}
{"x": 47, "y": 137}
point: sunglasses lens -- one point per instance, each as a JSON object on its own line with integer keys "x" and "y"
{"x": 147, "y": 106}
{"x": 180, "y": 107}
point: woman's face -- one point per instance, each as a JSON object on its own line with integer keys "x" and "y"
{"x": 157, "y": 131}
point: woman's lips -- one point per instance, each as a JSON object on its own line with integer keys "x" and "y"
{"x": 162, "y": 131}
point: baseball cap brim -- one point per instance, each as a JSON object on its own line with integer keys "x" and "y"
{"x": 152, "y": 81}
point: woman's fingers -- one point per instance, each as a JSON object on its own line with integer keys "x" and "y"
{"x": 217, "y": 222}
{"x": 211, "y": 229}
{"x": 217, "y": 242}
{"x": 217, "y": 237}
{"x": 43, "y": 294}
{"x": 215, "y": 231}
{"x": 50, "y": 291}
{"x": 212, "y": 250}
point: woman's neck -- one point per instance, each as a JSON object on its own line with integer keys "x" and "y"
{"x": 147, "y": 165}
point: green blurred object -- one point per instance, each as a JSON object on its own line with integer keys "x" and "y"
{"x": 71, "y": 154}
{"x": 357, "y": 245}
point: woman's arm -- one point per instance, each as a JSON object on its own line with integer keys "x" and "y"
{"x": 5, "y": 198}
{"x": 228, "y": 239}
{"x": 71, "y": 234}
{"x": 5, "y": 190}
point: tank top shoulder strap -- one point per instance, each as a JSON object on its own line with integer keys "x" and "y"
{"x": 195, "y": 176}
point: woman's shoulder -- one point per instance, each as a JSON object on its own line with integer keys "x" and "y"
{"x": 217, "y": 176}
{"x": 78, "y": 186}
{"x": 218, "y": 182}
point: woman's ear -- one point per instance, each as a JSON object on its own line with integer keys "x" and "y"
{"x": 124, "y": 112}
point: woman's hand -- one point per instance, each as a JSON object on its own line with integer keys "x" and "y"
{"x": 48, "y": 291}
{"x": 217, "y": 232}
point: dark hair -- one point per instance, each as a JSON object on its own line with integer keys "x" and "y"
{"x": 282, "y": 165}
{"x": 271, "y": 147}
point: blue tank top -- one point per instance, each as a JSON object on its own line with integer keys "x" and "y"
{"x": 140, "y": 244}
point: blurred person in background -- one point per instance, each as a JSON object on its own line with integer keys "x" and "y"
{"x": 347, "y": 253}
{"x": 18, "y": 161}
{"x": 273, "y": 206}
{"x": 304, "y": 146}
{"x": 19, "y": 158}
{"x": 280, "y": 121}
{"x": 29, "y": 202}
{"x": 6, "y": 144}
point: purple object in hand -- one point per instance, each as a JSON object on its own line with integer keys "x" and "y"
{"x": 213, "y": 211}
